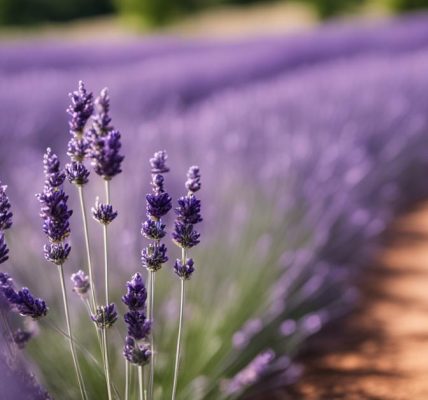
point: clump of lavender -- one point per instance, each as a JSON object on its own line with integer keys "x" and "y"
{"x": 56, "y": 215}
{"x": 137, "y": 348}
{"x": 158, "y": 204}
{"x": 185, "y": 236}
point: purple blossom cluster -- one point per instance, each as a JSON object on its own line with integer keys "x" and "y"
{"x": 136, "y": 349}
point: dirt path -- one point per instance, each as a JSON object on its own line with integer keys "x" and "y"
{"x": 381, "y": 351}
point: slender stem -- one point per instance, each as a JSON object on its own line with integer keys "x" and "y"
{"x": 127, "y": 380}
{"x": 70, "y": 337}
{"x": 177, "y": 354}
{"x": 88, "y": 253}
{"x": 152, "y": 337}
{"x": 107, "y": 367}
{"x": 107, "y": 190}
{"x": 141, "y": 382}
{"x": 105, "y": 263}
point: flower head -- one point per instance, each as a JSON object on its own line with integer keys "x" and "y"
{"x": 77, "y": 173}
{"x": 80, "y": 109}
{"x": 81, "y": 283}
{"x": 184, "y": 271}
{"x": 25, "y": 303}
{"x": 54, "y": 175}
{"x": 4, "y": 251}
{"x": 138, "y": 325}
{"x": 105, "y": 316}
{"x": 189, "y": 210}
{"x": 136, "y": 353}
{"x": 158, "y": 204}
{"x": 153, "y": 230}
{"x": 102, "y": 119}
{"x": 103, "y": 213}
{"x": 5, "y": 214}
{"x": 193, "y": 183}
{"x": 158, "y": 162}
{"x": 153, "y": 256}
{"x": 105, "y": 153}
{"x": 55, "y": 214}
{"x": 57, "y": 253}
{"x": 136, "y": 295}
{"x": 5, "y": 281}
{"x": 185, "y": 236}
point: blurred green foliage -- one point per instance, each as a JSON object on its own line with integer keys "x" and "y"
{"x": 405, "y": 5}
{"x": 330, "y": 8}
{"x": 29, "y": 12}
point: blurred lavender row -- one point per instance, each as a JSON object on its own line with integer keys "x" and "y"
{"x": 323, "y": 133}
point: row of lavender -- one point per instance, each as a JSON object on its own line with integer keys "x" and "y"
{"x": 313, "y": 162}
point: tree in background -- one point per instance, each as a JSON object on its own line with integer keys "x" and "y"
{"x": 29, "y": 12}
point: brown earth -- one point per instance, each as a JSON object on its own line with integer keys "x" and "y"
{"x": 380, "y": 352}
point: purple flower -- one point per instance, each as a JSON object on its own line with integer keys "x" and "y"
{"x": 4, "y": 251}
{"x": 188, "y": 210}
{"x": 104, "y": 141}
{"x": 158, "y": 204}
{"x": 55, "y": 214}
{"x": 184, "y": 271}
{"x": 5, "y": 281}
{"x": 153, "y": 256}
{"x": 102, "y": 119}
{"x": 80, "y": 109}
{"x": 153, "y": 230}
{"x": 185, "y": 236}
{"x": 193, "y": 183}
{"x": 54, "y": 175}
{"x": 25, "y": 303}
{"x": 57, "y": 253}
{"x": 136, "y": 295}
{"x": 81, "y": 283}
{"x": 105, "y": 316}
{"x": 136, "y": 353}
{"x": 138, "y": 325}
{"x": 104, "y": 152}
{"x": 5, "y": 214}
{"x": 77, "y": 173}
{"x": 103, "y": 213}
{"x": 158, "y": 162}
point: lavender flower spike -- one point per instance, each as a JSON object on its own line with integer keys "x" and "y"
{"x": 193, "y": 183}
{"x": 5, "y": 214}
{"x": 81, "y": 283}
{"x": 80, "y": 110}
{"x": 103, "y": 213}
{"x": 135, "y": 353}
{"x": 54, "y": 175}
{"x": 184, "y": 270}
{"x": 136, "y": 296}
{"x": 105, "y": 141}
{"x": 158, "y": 162}
{"x": 105, "y": 316}
{"x": 25, "y": 303}
{"x": 77, "y": 173}
{"x": 138, "y": 325}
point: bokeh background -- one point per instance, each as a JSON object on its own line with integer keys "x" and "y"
{"x": 309, "y": 120}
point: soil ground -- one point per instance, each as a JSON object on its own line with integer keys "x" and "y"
{"x": 379, "y": 352}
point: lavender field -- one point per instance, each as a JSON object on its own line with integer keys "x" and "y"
{"x": 308, "y": 145}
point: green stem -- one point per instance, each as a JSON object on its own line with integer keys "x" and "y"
{"x": 127, "y": 380}
{"x": 107, "y": 366}
{"x": 70, "y": 337}
{"x": 141, "y": 382}
{"x": 105, "y": 263}
{"x": 177, "y": 354}
{"x": 152, "y": 338}
{"x": 88, "y": 252}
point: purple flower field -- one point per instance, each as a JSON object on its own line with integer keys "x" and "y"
{"x": 308, "y": 145}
